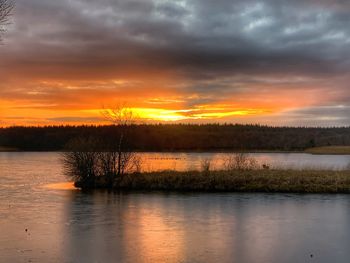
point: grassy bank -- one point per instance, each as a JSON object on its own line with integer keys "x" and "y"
{"x": 329, "y": 150}
{"x": 286, "y": 181}
{"x": 7, "y": 149}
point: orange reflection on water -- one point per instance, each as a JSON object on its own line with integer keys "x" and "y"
{"x": 61, "y": 186}
{"x": 154, "y": 235}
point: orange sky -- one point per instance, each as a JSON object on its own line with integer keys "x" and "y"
{"x": 76, "y": 102}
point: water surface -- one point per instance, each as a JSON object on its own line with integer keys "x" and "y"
{"x": 192, "y": 161}
{"x": 65, "y": 225}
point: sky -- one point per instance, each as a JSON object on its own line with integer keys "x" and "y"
{"x": 272, "y": 62}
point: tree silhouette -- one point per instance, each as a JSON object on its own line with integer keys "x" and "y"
{"x": 6, "y": 7}
{"x": 109, "y": 157}
{"x": 123, "y": 118}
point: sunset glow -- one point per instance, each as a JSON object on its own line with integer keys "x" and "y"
{"x": 175, "y": 61}
{"x": 179, "y": 131}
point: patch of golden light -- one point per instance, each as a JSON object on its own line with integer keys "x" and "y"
{"x": 211, "y": 115}
{"x": 159, "y": 114}
{"x": 170, "y": 115}
{"x": 61, "y": 186}
{"x": 201, "y": 112}
{"x": 152, "y": 114}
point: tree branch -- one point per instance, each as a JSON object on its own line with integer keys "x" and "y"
{"x": 6, "y": 8}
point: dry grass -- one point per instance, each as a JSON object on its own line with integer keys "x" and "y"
{"x": 7, "y": 149}
{"x": 329, "y": 150}
{"x": 287, "y": 181}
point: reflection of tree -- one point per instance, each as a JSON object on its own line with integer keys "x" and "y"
{"x": 92, "y": 230}
{"x": 6, "y": 7}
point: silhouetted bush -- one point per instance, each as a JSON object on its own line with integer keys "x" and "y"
{"x": 81, "y": 161}
{"x": 85, "y": 159}
{"x": 109, "y": 157}
{"x": 240, "y": 161}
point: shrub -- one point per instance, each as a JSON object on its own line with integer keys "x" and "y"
{"x": 81, "y": 161}
{"x": 240, "y": 161}
{"x": 205, "y": 165}
{"x": 88, "y": 158}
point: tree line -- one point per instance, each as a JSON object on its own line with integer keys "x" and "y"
{"x": 179, "y": 137}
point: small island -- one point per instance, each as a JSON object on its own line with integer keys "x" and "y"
{"x": 112, "y": 163}
{"x": 267, "y": 181}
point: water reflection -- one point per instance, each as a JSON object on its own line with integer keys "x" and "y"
{"x": 73, "y": 226}
{"x": 117, "y": 228}
{"x": 61, "y": 186}
{"x": 158, "y": 227}
{"x": 192, "y": 161}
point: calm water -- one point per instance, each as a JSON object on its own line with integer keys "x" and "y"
{"x": 192, "y": 161}
{"x": 65, "y": 225}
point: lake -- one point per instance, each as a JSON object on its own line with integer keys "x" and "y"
{"x": 42, "y": 219}
{"x": 192, "y": 161}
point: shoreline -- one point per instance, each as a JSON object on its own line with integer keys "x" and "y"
{"x": 307, "y": 151}
{"x": 329, "y": 150}
{"x": 250, "y": 181}
{"x": 8, "y": 149}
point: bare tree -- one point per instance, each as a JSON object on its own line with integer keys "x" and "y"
{"x": 240, "y": 161}
{"x": 123, "y": 117}
{"x": 6, "y": 8}
{"x": 81, "y": 162}
{"x": 104, "y": 161}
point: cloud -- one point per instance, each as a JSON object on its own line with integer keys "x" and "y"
{"x": 323, "y": 116}
{"x": 225, "y": 37}
{"x": 201, "y": 51}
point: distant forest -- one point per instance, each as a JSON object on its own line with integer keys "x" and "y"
{"x": 180, "y": 137}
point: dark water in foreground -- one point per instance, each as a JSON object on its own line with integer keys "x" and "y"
{"x": 65, "y": 225}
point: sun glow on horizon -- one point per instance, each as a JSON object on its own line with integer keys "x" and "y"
{"x": 200, "y": 113}
{"x": 41, "y": 116}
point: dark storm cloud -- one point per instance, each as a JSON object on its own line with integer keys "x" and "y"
{"x": 213, "y": 49}
{"x": 191, "y": 37}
